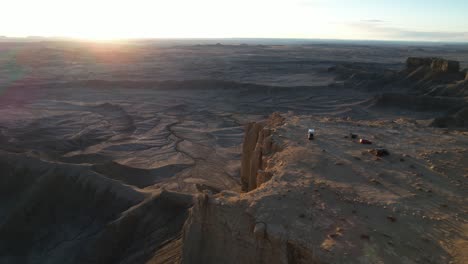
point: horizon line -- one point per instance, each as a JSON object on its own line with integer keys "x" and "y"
{"x": 32, "y": 37}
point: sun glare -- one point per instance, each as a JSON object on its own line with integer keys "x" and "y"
{"x": 106, "y": 20}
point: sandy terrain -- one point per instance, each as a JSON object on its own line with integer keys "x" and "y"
{"x": 122, "y": 153}
{"x": 334, "y": 198}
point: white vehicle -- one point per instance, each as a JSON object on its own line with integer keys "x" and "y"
{"x": 310, "y": 134}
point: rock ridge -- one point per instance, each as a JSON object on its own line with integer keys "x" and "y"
{"x": 258, "y": 145}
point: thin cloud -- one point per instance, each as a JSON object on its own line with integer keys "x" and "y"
{"x": 373, "y": 20}
{"x": 434, "y": 34}
{"x": 380, "y": 30}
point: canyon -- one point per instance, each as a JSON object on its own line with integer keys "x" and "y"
{"x": 198, "y": 153}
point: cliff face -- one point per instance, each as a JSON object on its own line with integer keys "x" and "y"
{"x": 440, "y": 80}
{"x": 425, "y": 84}
{"x": 445, "y": 65}
{"x": 434, "y": 77}
{"x": 436, "y": 64}
{"x": 225, "y": 228}
{"x": 421, "y": 76}
{"x": 258, "y": 145}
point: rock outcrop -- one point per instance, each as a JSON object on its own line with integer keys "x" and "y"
{"x": 436, "y": 64}
{"x": 225, "y": 216}
{"x": 440, "y": 83}
{"x": 432, "y": 76}
{"x": 445, "y": 65}
{"x": 323, "y": 206}
{"x": 425, "y": 84}
{"x": 258, "y": 144}
{"x": 427, "y": 75}
{"x": 440, "y": 80}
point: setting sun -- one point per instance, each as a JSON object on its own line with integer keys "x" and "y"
{"x": 233, "y": 131}
{"x": 163, "y": 19}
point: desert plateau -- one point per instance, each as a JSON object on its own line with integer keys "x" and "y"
{"x": 197, "y": 151}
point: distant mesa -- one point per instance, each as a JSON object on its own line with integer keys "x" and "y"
{"x": 430, "y": 84}
{"x": 442, "y": 65}
{"x": 436, "y": 64}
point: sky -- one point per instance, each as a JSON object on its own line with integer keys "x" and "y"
{"x": 412, "y": 20}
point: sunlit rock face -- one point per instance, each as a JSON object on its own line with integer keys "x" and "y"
{"x": 258, "y": 145}
{"x": 436, "y": 64}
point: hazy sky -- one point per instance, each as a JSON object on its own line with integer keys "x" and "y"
{"x": 347, "y": 19}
